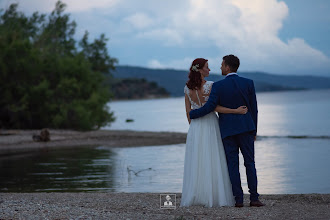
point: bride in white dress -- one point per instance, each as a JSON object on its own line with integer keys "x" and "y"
{"x": 205, "y": 179}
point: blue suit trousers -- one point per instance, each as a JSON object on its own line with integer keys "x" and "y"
{"x": 245, "y": 143}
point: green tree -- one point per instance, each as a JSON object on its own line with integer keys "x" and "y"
{"x": 47, "y": 79}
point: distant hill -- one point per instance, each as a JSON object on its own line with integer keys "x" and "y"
{"x": 174, "y": 80}
{"x": 132, "y": 88}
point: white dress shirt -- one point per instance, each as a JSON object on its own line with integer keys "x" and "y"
{"x": 229, "y": 74}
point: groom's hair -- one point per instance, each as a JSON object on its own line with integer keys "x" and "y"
{"x": 232, "y": 61}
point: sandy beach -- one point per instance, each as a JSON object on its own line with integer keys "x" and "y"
{"x": 110, "y": 205}
{"x": 18, "y": 141}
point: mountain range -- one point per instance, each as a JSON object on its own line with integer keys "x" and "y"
{"x": 174, "y": 80}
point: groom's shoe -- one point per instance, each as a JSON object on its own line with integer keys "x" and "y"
{"x": 256, "y": 203}
{"x": 239, "y": 205}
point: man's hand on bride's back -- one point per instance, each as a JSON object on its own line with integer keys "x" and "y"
{"x": 242, "y": 110}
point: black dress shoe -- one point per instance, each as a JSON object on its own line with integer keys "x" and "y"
{"x": 239, "y": 205}
{"x": 256, "y": 203}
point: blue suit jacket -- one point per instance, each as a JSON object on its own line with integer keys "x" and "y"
{"x": 232, "y": 92}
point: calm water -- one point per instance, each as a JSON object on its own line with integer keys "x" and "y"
{"x": 281, "y": 169}
{"x": 284, "y": 164}
{"x": 280, "y": 114}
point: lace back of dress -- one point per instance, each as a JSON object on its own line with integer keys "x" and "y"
{"x": 199, "y": 101}
{"x": 199, "y": 98}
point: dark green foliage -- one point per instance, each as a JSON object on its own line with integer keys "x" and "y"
{"x": 133, "y": 88}
{"x": 45, "y": 80}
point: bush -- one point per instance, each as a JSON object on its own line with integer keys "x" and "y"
{"x": 47, "y": 79}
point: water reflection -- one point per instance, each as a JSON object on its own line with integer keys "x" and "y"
{"x": 76, "y": 169}
{"x": 275, "y": 116}
{"x": 285, "y": 166}
{"x": 271, "y": 169}
{"x": 280, "y": 114}
{"x": 166, "y": 163}
{"x": 293, "y": 165}
{"x": 147, "y": 114}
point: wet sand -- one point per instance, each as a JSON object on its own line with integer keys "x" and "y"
{"x": 17, "y": 141}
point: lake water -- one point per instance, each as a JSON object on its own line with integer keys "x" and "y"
{"x": 292, "y": 151}
{"x": 295, "y": 113}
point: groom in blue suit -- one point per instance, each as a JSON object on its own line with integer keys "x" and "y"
{"x": 237, "y": 131}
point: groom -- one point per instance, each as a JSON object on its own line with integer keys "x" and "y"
{"x": 237, "y": 131}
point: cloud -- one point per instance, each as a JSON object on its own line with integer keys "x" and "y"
{"x": 168, "y": 37}
{"x": 85, "y": 5}
{"x": 48, "y": 5}
{"x": 155, "y": 64}
{"x": 139, "y": 20}
{"x": 248, "y": 29}
{"x": 260, "y": 18}
{"x": 183, "y": 64}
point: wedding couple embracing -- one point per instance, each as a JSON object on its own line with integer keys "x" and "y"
{"x": 211, "y": 166}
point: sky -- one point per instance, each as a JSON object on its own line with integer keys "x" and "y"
{"x": 290, "y": 37}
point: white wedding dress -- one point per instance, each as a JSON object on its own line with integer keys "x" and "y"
{"x": 205, "y": 179}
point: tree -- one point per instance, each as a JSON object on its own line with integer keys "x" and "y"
{"x": 46, "y": 80}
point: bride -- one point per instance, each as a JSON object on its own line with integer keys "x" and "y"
{"x": 205, "y": 179}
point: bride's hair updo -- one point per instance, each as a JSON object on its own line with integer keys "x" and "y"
{"x": 195, "y": 78}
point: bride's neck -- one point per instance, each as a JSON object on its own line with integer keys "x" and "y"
{"x": 203, "y": 80}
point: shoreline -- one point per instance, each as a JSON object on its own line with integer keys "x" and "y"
{"x": 113, "y": 205}
{"x": 147, "y": 206}
{"x": 20, "y": 141}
